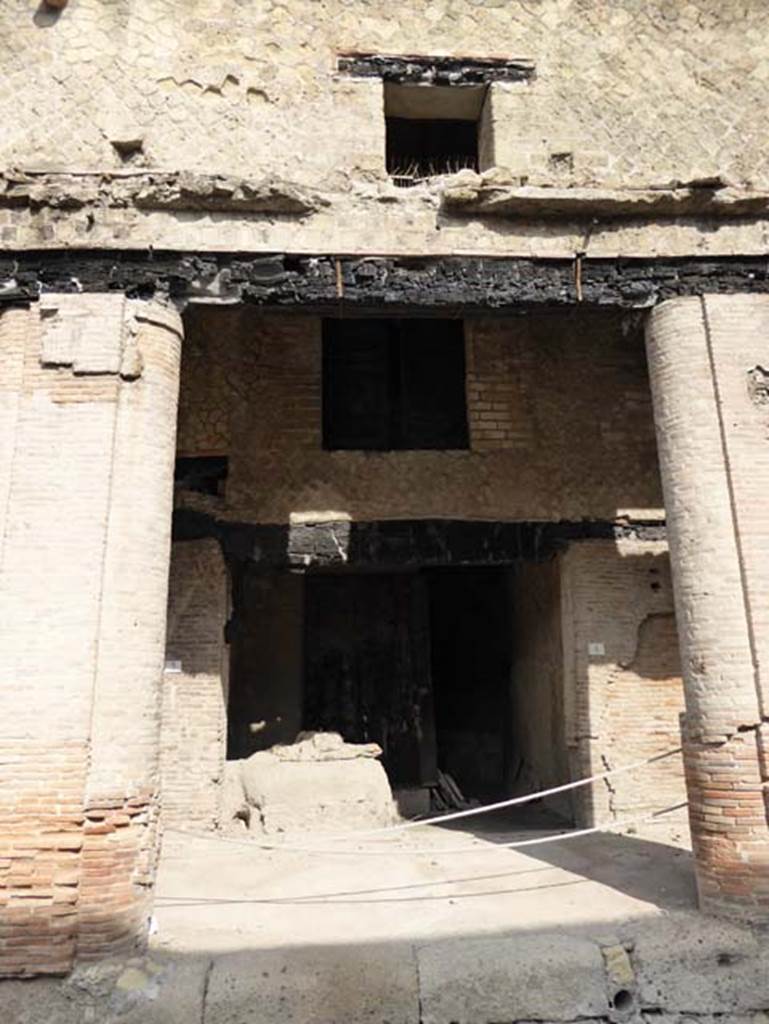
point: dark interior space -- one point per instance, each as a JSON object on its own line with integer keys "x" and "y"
{"x": 394, "y": 384}
{"x": 419, "y": 663}
{"x": 470, "y": 631}
{"x": 367, "y": 672}
{"x": 422, "y": 148}
{"x": 436, "y": 665}
{"x": 205, "y": 474}
{"x": 265, "y": 636}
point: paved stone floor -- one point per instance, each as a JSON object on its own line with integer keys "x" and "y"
{"x": 599, "y": 928}
{"x": 223, "y": 896}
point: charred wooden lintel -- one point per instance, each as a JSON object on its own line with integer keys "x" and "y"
{"x": 445, "y": 71}
{"x": 329, "y": 285}
{"x": 401, "y": 544}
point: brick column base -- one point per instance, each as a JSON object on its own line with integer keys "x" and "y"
{"x": 727, "y": 811}
{"x": 118, "y": 869}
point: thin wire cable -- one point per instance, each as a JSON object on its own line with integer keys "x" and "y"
{"x": 429, "y": 851}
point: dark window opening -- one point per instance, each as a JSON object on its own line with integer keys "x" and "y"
{"x": 420, "y": 149}
{"x": 394, "y": 385}
{"x": 205, "y": 474}
{"x": 432, "y": 130}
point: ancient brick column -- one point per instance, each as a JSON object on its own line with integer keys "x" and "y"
{"x": 88, "y": 395}
{"x": 709, "y": 367}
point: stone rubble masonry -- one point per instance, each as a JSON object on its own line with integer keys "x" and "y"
{"x": 88, "y": 388}
{"x": 622, "y": 682}
{"x": 122, "y": 88}
{"x": 194, "y": 721}
{"x": 712, "y": 427}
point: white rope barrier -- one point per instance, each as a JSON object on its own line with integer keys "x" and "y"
{"x": 431, "y": 851}
{"x": 387, "y": 830}
{"x": 515, "y": 801}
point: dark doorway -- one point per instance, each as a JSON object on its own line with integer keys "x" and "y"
{"x": 418, "y": 662}
{"x": 367, "y": 670}
{"x": 470, "y": 629}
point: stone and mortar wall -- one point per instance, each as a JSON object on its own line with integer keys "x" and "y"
{"x": 87, "y": 407}
{"x": 622, "y": 684}
{"x": 558, "y": 406}
{"x": 623, "y": 95}
{"x": 194, "y": 716}
{"x": 252, "y": 83}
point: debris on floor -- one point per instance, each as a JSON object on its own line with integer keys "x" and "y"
{"x": 319, "y": 783}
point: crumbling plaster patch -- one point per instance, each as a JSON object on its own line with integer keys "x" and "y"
{"x": 622, "y": 690}
{"x": 136, "y": 206}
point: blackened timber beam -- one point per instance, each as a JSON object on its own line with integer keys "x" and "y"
{"x": 422, "y": 70}
{"x": 401, "y": 544}
{"x": 331, "y": 285}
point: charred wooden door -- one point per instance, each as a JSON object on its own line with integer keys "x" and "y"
{"x": 367, "y": 667}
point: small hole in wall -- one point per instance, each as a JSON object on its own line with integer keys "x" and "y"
{"x": 561, "y": 163}
{"x": 48, "y": 13}
{"x": 206, "y": 474}
{"x": 656, "y": 586}
{"x": 623, "y": 1000}
{"x": 130, "y": 151}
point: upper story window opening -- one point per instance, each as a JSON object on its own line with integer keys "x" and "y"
{"x": 431, "y": 130}
{"x": 394, "y": 384}
{"x": 437, "y": 108}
